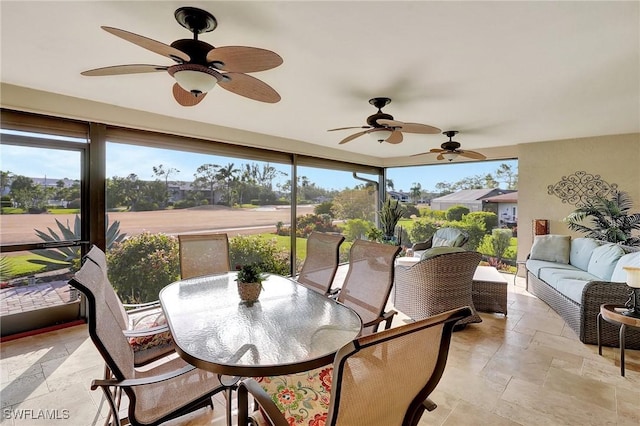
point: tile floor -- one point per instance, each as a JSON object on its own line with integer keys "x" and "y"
{"x": 526, "y": 369}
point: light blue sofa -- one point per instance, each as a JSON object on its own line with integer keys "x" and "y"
{"x": 576, "y": 276}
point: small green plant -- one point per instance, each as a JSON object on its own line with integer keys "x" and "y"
{"x": 390, "y": 214}
{"x": 70, "y": 256}
{"x": 251, "y": 273}
{"x": 251, "y": 249}
{"x": 6, "y": 269}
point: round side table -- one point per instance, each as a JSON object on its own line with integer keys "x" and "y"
{"x": 613, "y": 314}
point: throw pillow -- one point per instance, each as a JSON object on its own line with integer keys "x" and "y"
{"x": 604, "y": 259}
{"x": 552, "y": 248}
{"x": 436, "y": 251}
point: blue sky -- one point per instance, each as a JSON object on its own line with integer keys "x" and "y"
{"x": 125, "y": 159}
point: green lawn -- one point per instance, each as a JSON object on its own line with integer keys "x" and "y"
{"x": 20, "y": 266}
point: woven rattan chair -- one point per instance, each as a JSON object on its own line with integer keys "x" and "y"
{"x": 381, "y": 379}
{"x": 203, "y": 254}
{"x": 143, "y": 324}
{"x": 443, "y": 237}
{"x": 367, "y": 286}
{"x": 164, "y": 390}
{"x": 436, "y": 285}
{"x": 320, "y": 266}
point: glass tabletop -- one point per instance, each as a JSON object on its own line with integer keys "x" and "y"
{"x": 290, "y": 329}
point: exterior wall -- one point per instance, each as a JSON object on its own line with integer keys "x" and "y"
{"x": 505, "y": 213}
{"x": 616, "y": 158}
{"x": 443, "y": 205}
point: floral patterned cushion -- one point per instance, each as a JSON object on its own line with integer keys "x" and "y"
{"x": 302, "y": 398}
{"x": 146, "y": 320}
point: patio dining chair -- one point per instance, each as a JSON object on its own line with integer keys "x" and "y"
{"x": 203, "y": 254}
{"x": 143, "y": 324}
{"x": 367, "y": 286}
{"x": 437, "y": 284}
{"x": 381, "y": 379}
{"x": 164, "y": 390}
{"x": 320, "y": 265}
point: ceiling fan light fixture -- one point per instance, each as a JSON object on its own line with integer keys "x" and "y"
{"x": 450, "y": 156}
{"x": 194, "y": 78}
{"x": 380, "y": 135}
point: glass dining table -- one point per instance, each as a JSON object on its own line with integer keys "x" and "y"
{"x": 289, "y": 330}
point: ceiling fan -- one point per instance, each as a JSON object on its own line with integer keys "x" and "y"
{"x": 383, "y": 128}
{"x": 200, "y": 66}
{"x": 450, "y": 149}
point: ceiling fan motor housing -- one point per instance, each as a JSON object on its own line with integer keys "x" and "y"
{"x": 372, "y": 120}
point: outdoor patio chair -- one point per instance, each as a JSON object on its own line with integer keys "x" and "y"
{"x": 164, "y": 390}
{"x": 443, "y": 237}
{"x": 320, "y": 266}
{"x": 380, "y": 379}
{"x": 143, "y": 324}
{"x": 203, "y": 254}
{"x": 437, "y": 284}
{"x": 367, "y": 286}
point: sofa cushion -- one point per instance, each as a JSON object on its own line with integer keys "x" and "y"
{"x": 571, "y": 288}
{"x": 535, "y": 266}
{"x": 552, "y": 248}
{"x": 629, "y": 259}
{"x": 581, "y": 251}
{"x": 436, "y": 251}
{"x": 553, "y": 275}
{"x": 604, "y": 259}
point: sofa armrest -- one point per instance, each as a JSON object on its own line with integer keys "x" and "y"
{"x": 594, "y": 294}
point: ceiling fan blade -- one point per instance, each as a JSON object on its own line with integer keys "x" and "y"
{"x": 410, "y": 127}
{"x": 353, "y": 136}
{"x": 440, "y": 157}
{"x": 149, "y": 44}
{"x": 431, "y": 151}
{"x": 395, "y": 138}
{"x": 185, "y": 98}
{"x": 124, "y": 69}
{"x": 249, "y": 87}
{"x": 472, "y": 154}
{"x": 347, "y": 128}
{"x": 243, "y": 59}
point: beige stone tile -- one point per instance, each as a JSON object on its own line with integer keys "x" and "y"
{"x": 548, "y": 323}
{"x": 628, "y": 406}
{"x": 588, "y": 390}
{"x": 609, "y": 372}
{"x": 67, "y": 407}
{"x": 22, "y": 389}
{"x": 535, "y": 404}
{"x": 475, "y": 389}
{"x": 465, "y": 413}
{"x": 519, "y": 362}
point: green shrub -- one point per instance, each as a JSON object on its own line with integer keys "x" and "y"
{"x": 5, "y": 201}
{"x": 324, "y": 208}
{"x": 356, "y": 228}
{"x": 142, "y": 265}
{"x": 475, "y": 231}
{"x": 457, "y": 212}
{"x": 410, "y": 210}
{"x": 433, "y": 214}
{"x": 488, "y": 219}
{"x": 251, "y": 249}
{"x": 423, "y": 229}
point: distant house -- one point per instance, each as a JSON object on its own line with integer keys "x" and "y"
{"x": 473, "y": 199}
{"x": 505, "y": 206}
{"x": 400, "y": 196}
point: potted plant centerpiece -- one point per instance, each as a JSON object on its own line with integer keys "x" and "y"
{"x": 249, "y": 280}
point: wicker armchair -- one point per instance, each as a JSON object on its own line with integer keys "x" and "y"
{"x": 367, "y": 286}
{"x": 143, "y": 324}
{"x": 203, "y": 254}
{"x": 320, "y": 266}
{"x": 436, "y": 285}
{"x": 380, "y": 379}
{"x": 443, "y": 237}
{"x": 164, "y": 390}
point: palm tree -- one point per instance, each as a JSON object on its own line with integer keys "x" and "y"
{"x": 610, "y": 219}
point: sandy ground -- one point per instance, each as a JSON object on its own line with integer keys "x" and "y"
{"x": 20, "y": 228}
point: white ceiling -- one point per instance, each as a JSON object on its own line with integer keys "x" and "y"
{"x": 502, "y": 73}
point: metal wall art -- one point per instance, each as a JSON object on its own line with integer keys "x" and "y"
{"x": 580, "y": 187}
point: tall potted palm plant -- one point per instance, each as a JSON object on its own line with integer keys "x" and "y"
{"x": 610, "y": 220}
